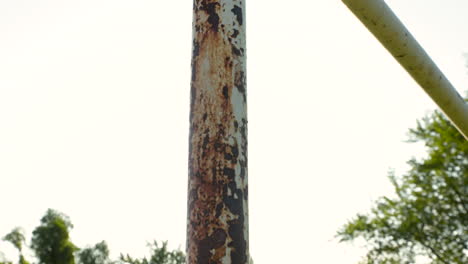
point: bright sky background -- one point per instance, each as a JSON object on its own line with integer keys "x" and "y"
{"x": 94, "y": 108}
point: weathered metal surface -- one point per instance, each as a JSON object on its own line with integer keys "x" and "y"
{"x": 217, "y": 226}
{"x": 390, "y": 31}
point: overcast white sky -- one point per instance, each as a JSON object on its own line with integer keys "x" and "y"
{"x": 94, "y": 107}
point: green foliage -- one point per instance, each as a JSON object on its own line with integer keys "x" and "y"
{"x": 159, "y": 255}
{"x": 16, "y": 237}
{"x": 22, "y": 260}
{"x": 429, "y": 216}
{"x": 99, "y": 254}
{"x": 51, "y": 241}
{"x": 51, "y": 245}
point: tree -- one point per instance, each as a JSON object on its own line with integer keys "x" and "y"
{"x": 16, "y": 237}
{"x": 51, "y": 241}
{"x": 159, "y": 255}
{"x": 429, "y": 214}
{"x": 99, "y": 254}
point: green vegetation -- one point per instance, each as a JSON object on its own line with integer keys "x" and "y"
{"x": 99, "y": 254}
{"x": 429, "y": 214}
{"x": 16, "y": 237}
{"x": 51, "y": 244}
{"x": 51, "y": 241}
{"x": 159, "y": 255}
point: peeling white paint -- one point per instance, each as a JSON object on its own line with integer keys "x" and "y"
{"x": 218, "y": 219}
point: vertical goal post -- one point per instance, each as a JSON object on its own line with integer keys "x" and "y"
{"x": 380, "y": 20}
{"x": 217, "y": 206}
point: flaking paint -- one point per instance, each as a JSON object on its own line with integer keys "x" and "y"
{"x": 217, "y": 224}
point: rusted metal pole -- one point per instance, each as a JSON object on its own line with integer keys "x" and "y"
{"x": 390, "y": 31}
{"x": 217, "y": 224}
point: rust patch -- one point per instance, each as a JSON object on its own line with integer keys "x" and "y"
{"x": 238, "y": 13}
{"x": 211, "y": 9}
{"x": 217, "y": 226}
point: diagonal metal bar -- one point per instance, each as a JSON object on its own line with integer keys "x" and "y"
{"x": 380, "y": 20}
{"x": 217, "y": 221}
